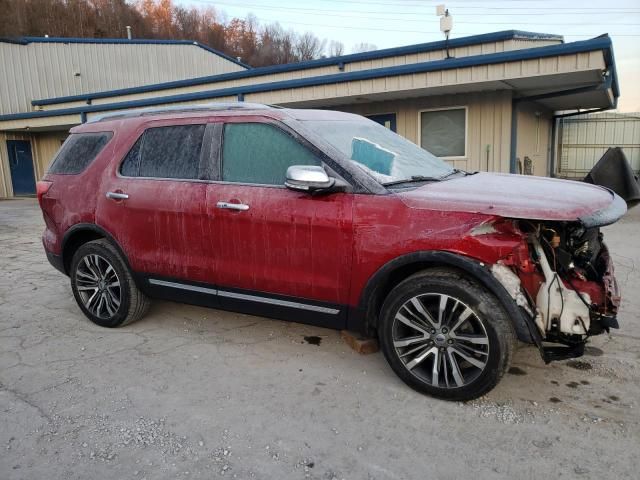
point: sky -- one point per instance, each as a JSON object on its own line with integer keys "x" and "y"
{"x": 391, "y": 23}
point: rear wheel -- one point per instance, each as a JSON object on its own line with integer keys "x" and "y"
{"x": 103, "y": 286}
{"x": 446, "y": 335}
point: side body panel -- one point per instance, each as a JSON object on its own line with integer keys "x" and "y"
{"x": 160, "y": 227}
{"x": 286, "y": 243}
{"x": 385, "y": 228}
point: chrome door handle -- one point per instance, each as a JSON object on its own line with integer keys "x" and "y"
{"x": 117, "y": 195}
{"x": 233, "y": 206}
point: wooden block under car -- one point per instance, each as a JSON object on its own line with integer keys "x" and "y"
{"x": 360, "y": 344}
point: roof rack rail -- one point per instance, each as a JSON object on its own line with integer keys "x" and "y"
{"x": 204, "y": 107}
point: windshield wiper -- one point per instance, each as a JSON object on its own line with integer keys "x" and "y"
{"x": 414, "y": 178}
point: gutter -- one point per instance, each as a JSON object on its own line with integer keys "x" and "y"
{"x": 322, "y": 62}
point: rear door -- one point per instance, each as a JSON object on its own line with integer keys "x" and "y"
{"x": 286, "y": 254}
{"x": 21, "y": 165}
{"x": 154, "y": 201}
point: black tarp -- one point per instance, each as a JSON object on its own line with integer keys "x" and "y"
{"x": 614, "y": 172}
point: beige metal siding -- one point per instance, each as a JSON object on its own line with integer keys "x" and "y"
{"x": 585, "y": 138}
{"x": 568, "y": 63}
{"x": 460, "y": 76}
{"x": 46, "y": 70}
{"x": 44, "y": 146}
{"x": 488, "y": 124}
{"x": 534, "y": 130}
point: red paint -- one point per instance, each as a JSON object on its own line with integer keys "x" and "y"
{"x": 42, "y": 187}
{"x": 322, "y": 248}
{"x": 511, "y": 196}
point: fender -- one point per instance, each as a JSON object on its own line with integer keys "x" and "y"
{"x": 364, "y": 317}
{"x": 92, "y": 227}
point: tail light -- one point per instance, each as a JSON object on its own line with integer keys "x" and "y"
{"x": 42, "y": 187}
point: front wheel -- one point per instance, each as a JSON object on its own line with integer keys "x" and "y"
{"x": 445, "y": 335}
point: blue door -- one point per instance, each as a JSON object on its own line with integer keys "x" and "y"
{"x": 21, "y": 164}
{"x": 386, "y": 120}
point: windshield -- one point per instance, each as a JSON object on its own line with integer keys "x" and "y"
{"x": 386, "y": 156}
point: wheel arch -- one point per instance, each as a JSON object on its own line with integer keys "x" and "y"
{"x": 364, "y": 317}
{"x": 81, "y": 233}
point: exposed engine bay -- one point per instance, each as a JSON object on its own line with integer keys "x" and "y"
{"x": 563, "y": 277}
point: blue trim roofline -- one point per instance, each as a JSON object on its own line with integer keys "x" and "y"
{"x": 133, "y": 41}
{"x": 600, "y": 43}
{"x": 322, "y": 62}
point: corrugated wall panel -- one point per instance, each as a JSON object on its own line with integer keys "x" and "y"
{"x": 585, "y": 138}
{"x": 492, "y": 71}
{"x": 46, "y": 70}
{"x": 489, "y": 117}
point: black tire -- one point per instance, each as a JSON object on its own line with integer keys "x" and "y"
{"x": 122, "y": 301}
{"x": 488, "y": 325}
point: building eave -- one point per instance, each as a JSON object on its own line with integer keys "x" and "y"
{"x": 338, "y": 61}
{"x": 601, "y": 43}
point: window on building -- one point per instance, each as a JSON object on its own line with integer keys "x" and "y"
{"x": 260, "y": 153}
{"x": 78, "y": 151}
{"x": 166, "y": 152}
{"x": 444, "y": 132}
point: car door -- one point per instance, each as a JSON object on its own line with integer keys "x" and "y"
{"x": 153, "y": 202}
{"x": 277, "y": 252}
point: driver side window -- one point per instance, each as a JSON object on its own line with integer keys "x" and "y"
{"x": 260, "y": 153}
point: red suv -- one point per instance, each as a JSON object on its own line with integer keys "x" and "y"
{"x": 328, "y": 218}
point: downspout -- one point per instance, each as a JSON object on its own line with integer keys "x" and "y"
{"x": 554, "y": 147}
{"x": 514, "y": 135}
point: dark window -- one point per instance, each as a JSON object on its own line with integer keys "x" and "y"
{"x": 78, "y": 151}
{"x": 444, "y": 132}
{"x": 131, "y": 165}
{"x": 260, "y": 153}
{"x": 166, "y": 152}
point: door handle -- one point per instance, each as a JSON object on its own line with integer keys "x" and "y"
{"x": 117, "y": 195}
{"x": 233, "y": 206}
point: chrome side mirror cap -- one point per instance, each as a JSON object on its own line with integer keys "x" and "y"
{"x": 308, "y": 178}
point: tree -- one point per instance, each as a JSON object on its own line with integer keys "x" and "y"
{"x": 363, "y": 47}
{"x": 308, "y": 47}
{"x": 258, "y": 45}
{"x": 335, "y": 48}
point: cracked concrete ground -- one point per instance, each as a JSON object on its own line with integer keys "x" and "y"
{"x": 189, "y": 392}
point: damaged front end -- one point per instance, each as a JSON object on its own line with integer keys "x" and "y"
{"x": 562, "y": 276}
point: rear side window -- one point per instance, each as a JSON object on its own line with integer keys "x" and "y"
{"x": 166, "y": 152}
{"x": 78, "y": 151}
{"x": 260, "y": 153}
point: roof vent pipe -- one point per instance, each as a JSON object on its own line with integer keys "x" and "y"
{"x": 129, "y": 32}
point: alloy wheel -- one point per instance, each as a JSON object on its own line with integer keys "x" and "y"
{"x": 98, "y": 285}
{"x": 440, "y": 340}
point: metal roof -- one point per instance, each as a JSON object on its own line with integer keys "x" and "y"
{"x": 123, "y": 41}
{"x": 322, "y": 62}
{"x": 600, "y": 43}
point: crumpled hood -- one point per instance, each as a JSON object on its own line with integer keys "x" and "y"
{"x": 520, "y": 196}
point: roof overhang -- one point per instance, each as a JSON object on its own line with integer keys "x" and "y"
{"x": 563, "y": 76}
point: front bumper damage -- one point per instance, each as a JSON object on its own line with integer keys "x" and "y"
{"x": 562, "y": 311}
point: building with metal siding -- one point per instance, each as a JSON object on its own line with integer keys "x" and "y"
{"x": 583, "y": 139}
{"x": 54, "y": 67}
{"x": 500, "y": 91}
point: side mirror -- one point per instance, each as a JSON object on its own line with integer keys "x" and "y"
{"x": 308, "y": 178}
